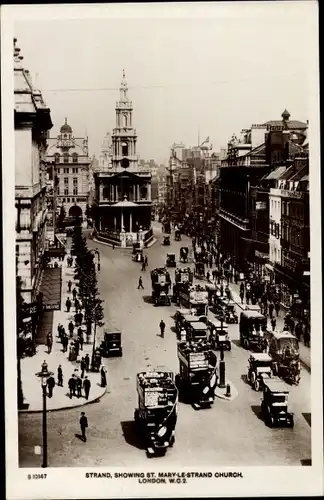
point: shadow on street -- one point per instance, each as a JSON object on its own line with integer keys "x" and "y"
{"x": 131, "y": 434}
{"x": 245, "y": 379}
{"x": 308, "y": 418}
{"x": 147, "y": 299}
{"x": 257, "y": 411}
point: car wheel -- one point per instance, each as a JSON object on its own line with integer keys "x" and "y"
{"x": 275, "y": 369}
{"x": 136, "y": 416}
{"x": 245, "y": 344}
{"x": 291, "y": 423}
{"x": 271, "y": 421}
{"x": 229, "y": 347}
{"x": 257, "y": 385}
{"x": 172, "y": 441}
{"x": 248, "y": 376}
{"x": 253, "y": 378}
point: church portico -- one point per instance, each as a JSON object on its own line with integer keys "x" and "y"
{"x": 122, "y": 207}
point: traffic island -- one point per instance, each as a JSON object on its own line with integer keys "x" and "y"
{"x": 229, "y": 392}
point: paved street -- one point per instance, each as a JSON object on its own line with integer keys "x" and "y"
{"x": 228, "y": 433}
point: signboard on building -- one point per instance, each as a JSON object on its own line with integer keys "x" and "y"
{"x": 260, "y": 205}
{"x": 292, "y": 194}
{"x": 262, "y": 255}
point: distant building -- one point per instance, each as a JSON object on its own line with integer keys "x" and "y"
{"x": 69, "y": 156}
{"x": 122, "y": 205}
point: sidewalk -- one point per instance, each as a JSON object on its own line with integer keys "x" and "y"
{"x": 31, "y": 384}
{"x": 304, "y": 352}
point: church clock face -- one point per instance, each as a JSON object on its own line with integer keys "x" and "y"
{"x": 125, "y": 163}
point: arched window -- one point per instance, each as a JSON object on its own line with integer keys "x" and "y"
{"x": 66, "y": 157}
{"x": 75, "y": 157}
{"x": 57, "y": 157}
{"x": 124, "y": 149}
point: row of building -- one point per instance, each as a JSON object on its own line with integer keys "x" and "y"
{"x": 55, "y": 175}
{"x": 254, "y": 198}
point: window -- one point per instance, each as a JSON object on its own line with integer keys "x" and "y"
{"x": 57, "y": 170}
{"x": 66, "y": 180}
{"x": 68, "y": 200}
{"x": 63, "y": 200}
{"x": 75, "y": 158}
{"x": 124, "y": 149}
{"x": 58, "y": 191}
{"x": 75, "y": 170}
{"x": 66, "y": 158}
{"x": 66, "y": 170}
{"x": 57, "y": 158}
{"x": 66, "y": 191}
{"x": 75, "y": 190}
{"x": 75, "y": 181}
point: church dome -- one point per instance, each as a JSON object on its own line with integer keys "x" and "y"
{"x": 285, "y": 115}
{"x": 66, "y": 129}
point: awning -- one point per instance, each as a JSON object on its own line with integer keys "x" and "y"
{"x": 50, "y": 288}
{"x": 55, "y": 252}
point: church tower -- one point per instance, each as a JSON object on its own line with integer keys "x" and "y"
{"x": 124, "y": 136}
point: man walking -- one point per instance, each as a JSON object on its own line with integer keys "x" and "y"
{"x": 277, "y": 307}
{"x": 71, "y": 328}
{"x": 86, "y": 387}
{"x": 50, "y": 385}
{"x": 72, "y": 386}
{"x": 49, "y": 342}
{"x": 87, "y": 362}
{"x": 83, "y": 367}
{"x": 69, "y": 286}
{"x": 60, "y": 376}
{"x": 79, "y": 387}
{"x": 271, "y": 308}
{"x": 65, "y": 342}
{"x": 74, "y": 293}
{"x": 81, "y": 340}
{"x": 76, "y": 305}
{"x": 83, "y": 425}
{"x": 68, "y": 304}
{"x": 140, "y": 283}
{"x": 162, "y": 328}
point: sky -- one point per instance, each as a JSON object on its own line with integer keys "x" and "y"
{"x": 189, "y": 77}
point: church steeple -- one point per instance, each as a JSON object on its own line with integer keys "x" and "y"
{"x": 123, "y": 89}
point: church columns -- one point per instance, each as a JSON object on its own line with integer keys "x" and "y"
{"x": 134, "y": 193}
{"x": 115, "y": 223}
{"x": 130, "y": 223}
{"x": 121, "y": 220}
{"x": 149, "y": 192}
{"x": 138, "y": 192}
{"x": 101, "y": 192}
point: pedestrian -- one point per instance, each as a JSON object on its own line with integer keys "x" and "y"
{"x": 77, "y": 347}
{"x": 271, "y": 308}
{"x": 50, "y": 385}
{"x": 87, "y": 362}
{"x": 74, "y": 293}
{"x": 49, "y": 342}
{"x": 76, "y": 305}
{"x": 79, "y": 387}
{"x": 208, "y": 276}
{"x": 146, "y": 260}
{"x": 306, "y": 336}
{"x": 81, "y": 341}
{"x": 228, "y": 292}
{"x": 292, "y": 325}
{"x": 68, "y": 304}
{"x": 69, "y": 286}
{"x": 86, "y": 387}
{"x": 143, "y": 266}
{"x": 59, "y": 330}
{"x": 162, "y": 328}
{"x": 83, "y": 425}
{"x": 247, "y": 297}
{"x": 113, "y": 246}
{"x": 60, "y": 376}
{"x": 56, "y": 264}
{"x": 298, "y": 330}
{"x": 277, "y": 307}
{"x": 273, "y": 323}
{"x": 103, "y": 376}
{"x": 242, "y": 295}
{"x": 71, "y": 328}
{"x": 83, "y": 366}
{"x": 140, "y": 283}
{"x": 72, "y": 384}
{"x": 64, "y": 343}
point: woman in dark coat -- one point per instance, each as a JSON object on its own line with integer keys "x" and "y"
{"x": 103, "y": 376}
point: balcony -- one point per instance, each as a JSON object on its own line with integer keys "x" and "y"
{"x": 243, "y": 224}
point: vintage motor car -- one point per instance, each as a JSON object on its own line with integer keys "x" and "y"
{"x": 284, "y": 350}
{"x": 211, "y": 289}
{"x": 161, "y": 283}
{"x": 259, "y": 369}
{"x": 252, "y": 330}
{"x": 166, "y": 240}
{"x": 274, "y": 405}
{"x": 218, "y": 334}
{"x": 197, "y": 378}
{"x": 171, "y": 260}
{"x": 156, "y": 415}
{"x": 111, "y": 345}
{"x": 196, "y": 330}
{"x": 253, "y": 307}
{"x": 230, "y": 313}
{"x": 184, "y": 252}
{"x": 138, "y": 255}
{"x": 199, "y": 270}
{"x": 185, "y": 319}
{"x": 177, "y": 235}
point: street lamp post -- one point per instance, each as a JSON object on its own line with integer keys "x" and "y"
{"x": 43, "y": 375}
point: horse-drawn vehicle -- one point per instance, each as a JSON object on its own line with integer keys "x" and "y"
{"x": 284, "y": 350}
{"x": 184, "y": 252}
{"x": 253, "y": 327}
{"x": 171, "y": 260}
{"x": 166, "y": 240}
{"x": 199, "y": 270}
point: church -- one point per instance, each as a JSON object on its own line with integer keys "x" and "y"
{"x": 122, "y": 206}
